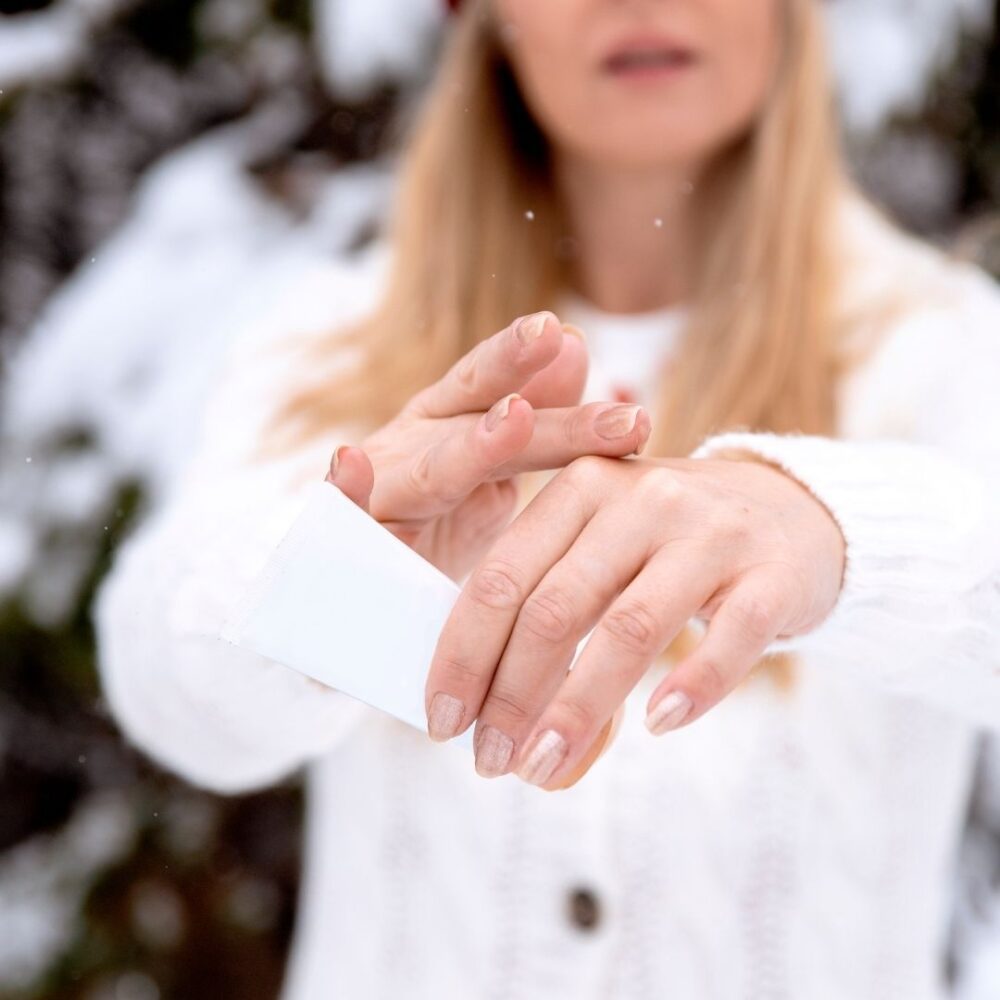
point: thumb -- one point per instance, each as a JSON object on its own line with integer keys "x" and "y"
{"x": 352, "y": 473}
{"x": 562, "y": 381}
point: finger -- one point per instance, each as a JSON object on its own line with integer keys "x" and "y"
{"x": 510, "y": 438}
{"x": 475, "y": 633}
{"x": 745, "y": 623}
{"x": 495, "y": 367}
{"x": 352, "y": 473}
{"x": 441, "y": 476}
{"x": 641, "y": 622}
{"x": 562, "y": 381}
{"x": 600, "y": 746}
{"x": 571, "y": 595}
{"x": 562, "y": 435}
{"x": 460, "y": 462}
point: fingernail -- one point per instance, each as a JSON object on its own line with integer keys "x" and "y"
{"x": 668, "y": 713}
{"x": 498, "y": 411}
{"x": 546, "y": 755}
{"x": 529, "y": 328}
{"x": 617, "y": 422}
{"x": 643, "y": 442}
{"x": 445, "y": 716}
{"x": 493, "y": 752}
{"x": 334, "y": 462}
{"x": 575, "y": 331}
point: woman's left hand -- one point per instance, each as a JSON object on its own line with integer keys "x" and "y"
{"x": 636, "y": 547}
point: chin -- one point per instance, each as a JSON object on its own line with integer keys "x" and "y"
{"x": 665, "y": 137}
{"x": 647, "y": 151}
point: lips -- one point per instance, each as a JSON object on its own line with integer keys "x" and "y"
{"x": 644, "y": 57}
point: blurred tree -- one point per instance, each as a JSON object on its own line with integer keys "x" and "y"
{"x": 118, "y": 882}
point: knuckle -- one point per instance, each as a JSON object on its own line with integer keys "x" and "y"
{"x": 711, "y": 681}
{"x": 633, "y": 627}
{"x": 503, "y": 703}
{"x": 573, "y": 428}
{"x": 548, "y": 615}
{"x": 496, "y": 585}
{"x": 660, "y": 486}
{"x": 420, "y": 477}
{"x": 465, "y": 374}
{"x": 456, "y": 674}
{"x": 583, "y": 469}
{"x": 752, "y": 617}
{"x": 727, "y": 525}
{"x": 576, "y": 718}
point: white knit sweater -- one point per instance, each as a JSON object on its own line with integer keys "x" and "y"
{"x": 784, "y": 846}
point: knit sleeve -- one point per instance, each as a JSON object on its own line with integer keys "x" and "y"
{"x": 915, "y": 488}
{"x": 220, "y": 716}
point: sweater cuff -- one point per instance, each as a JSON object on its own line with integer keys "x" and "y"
{"x": 908, "y": 514}
{"x": 256, "y": 700}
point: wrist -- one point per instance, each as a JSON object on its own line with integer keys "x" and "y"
{"x": 829, "y": 528}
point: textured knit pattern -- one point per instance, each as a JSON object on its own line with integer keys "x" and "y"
{"x": 793, "y": 845}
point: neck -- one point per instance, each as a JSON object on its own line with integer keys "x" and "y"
{"x": 632, "y": 229}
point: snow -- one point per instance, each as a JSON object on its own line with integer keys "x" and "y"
{"x": 48, "y": 43}
{"x": 17, "y": 547}
{"x": 36, "y": 45}
{"x": 126, "y": 350}
{"x": 361, "y": 43}
{"x": 885, "y": 52}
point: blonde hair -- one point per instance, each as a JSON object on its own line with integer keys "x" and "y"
{"x": 760, "y": 349}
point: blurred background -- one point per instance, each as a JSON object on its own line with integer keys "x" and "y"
{"x": 166, "y": 166}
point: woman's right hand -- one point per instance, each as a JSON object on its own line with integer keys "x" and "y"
{"x": 441, "y": 474}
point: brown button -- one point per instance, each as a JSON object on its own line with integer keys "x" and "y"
{"x": 584, "y": 908}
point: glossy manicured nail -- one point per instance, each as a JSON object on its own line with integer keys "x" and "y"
{"x": 546, "y": 755}
{"x": 668, "y": 713}
{"x": 617, "y": 422}
{"x": 498, "y": 411}
{"x": 445, "y": 716}
{"x": 493, "y": 752}
{"x": 529, "y": 328}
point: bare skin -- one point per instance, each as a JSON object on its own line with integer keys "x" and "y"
{"x": 631, "y": 547}
{"x": 636, "y": 548}
{"x": 441, "y": 479}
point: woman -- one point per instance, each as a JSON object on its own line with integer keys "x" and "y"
{"x": 780, "y": 419}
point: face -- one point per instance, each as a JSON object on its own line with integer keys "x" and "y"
{"x": 642, "y": 83}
